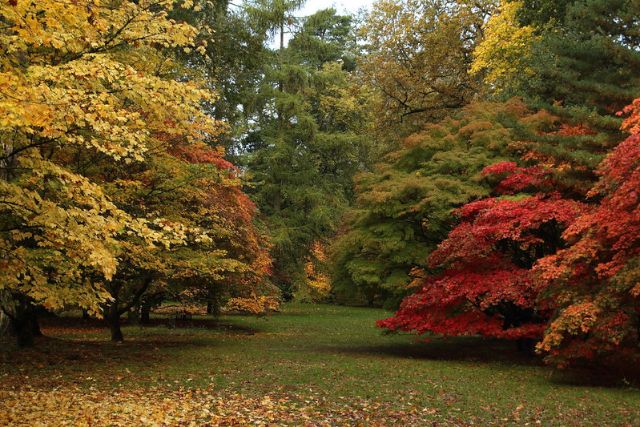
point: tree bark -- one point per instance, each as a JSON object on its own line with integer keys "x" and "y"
{"x": 5, "y": 323}
{"x": 145, "y": 314}
{"x": 35, "y": 325}
{"x": 114, "y": 324}
{"x": 114, "y": 310}
{"x": 370, "y": 296}
{"x": 526, "y": 346}
{"x": 133, "y": 315}
{"x": 23, "y": 322}
{"x": 24, "y": 326}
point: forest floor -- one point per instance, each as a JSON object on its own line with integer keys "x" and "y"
{"x": 309, "y": 365}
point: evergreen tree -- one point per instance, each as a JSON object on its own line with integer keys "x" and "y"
{"x": 307, "y": 141}
{"x": 579, "y": 58}
{"x": 404, "y": 207}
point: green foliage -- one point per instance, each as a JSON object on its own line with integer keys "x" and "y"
{"x": 308, "y": 142}
{"x": 230, "y": 60}
{"x": 404, "y": 207}
{"x": 583, "y": 60}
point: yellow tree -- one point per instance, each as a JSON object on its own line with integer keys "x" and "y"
{"x": 505, "y": 53}
{"x": 418, "y": 54}
{"x": 72, "y": 87}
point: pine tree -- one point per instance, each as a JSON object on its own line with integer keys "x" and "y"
{"x": 307, "y": 143}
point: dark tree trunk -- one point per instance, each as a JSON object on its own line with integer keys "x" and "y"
{"x": 133, "y": 315}
{"x": 209, "y": 307}
{"x": 115, "y": 309}
{"x": 35, "y": 325}
{"x": 371, "y": 298}
{"x": 145, "y": 312}
{"x": 24, "y": 323}
{"x": 112, "y": 317}
{"x": 527, "y": 346}
{"x": 85, "y": 315}
{"x": 114, "y": 324}
{"x": 23, "y": 330}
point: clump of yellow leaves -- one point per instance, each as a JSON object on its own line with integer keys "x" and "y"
{"x": 504, "y": 52}
{"x": 318, "y": 283}
{"x": 257, "y": 305}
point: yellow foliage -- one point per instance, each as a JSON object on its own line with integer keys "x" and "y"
{"x": 317, "y": 284}
{"x": 505, "y": 51}
{"x": 575, "y": 320}
{"x": 79, "y": 80}
{"x": 258, "y": 305}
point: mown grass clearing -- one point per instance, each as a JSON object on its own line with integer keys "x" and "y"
{"x": 310, "y": 364}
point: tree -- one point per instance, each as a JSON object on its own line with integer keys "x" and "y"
{"x": 486, "y": 286}
{"x": 230, "y": 61}
{"x": 594, "y": 281}
{"x": 307, "y": 143}
{"x": 196, "y": 194}
{"x": 59, "y": 62}
{"x": 506, "y": 50}
{"x": 581, "y": 59}
{"x": 91, "y": 107}
{"x": 418, "y": 54}
{"x": 274, "y": 16}
{"x": 404, "y": 206}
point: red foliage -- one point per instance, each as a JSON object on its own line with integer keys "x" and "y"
{"x": 486, "y": 287}
{"x": 229, "y": 210}
{"x": 516, "y": 179}
{"x": 596, "y": 280}
{"x": 201, "y": 153}
{"x": 574, "y": 130}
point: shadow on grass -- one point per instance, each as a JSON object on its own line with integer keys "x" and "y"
{"x": 53, "y": 351}
{"x": 486, "y": 351}
{"x": 77, "y": 348}
{"x": 465, "y": 349}
{"x": 615, "y": 375}
{"x": 95, "y": 325}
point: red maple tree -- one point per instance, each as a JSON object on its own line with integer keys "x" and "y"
{"x": 486, "y": 285}
{"x": 596, "y": 280}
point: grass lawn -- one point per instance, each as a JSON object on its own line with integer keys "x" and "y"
{"x": 310, "y": 364}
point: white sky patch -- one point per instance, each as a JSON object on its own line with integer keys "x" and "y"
{"x": 342, "y": 6}
{"x": 312, "y": 6}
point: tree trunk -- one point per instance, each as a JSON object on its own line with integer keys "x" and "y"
{"x": 116, "y": 332}
{"x": 113, "y": 318}
{"x": 23, "y": 327}
{"x": 145, "y": 311}
{"x": 281, "y": 36}
{"x": 5, "y": 323}
{"x": 526, "y": 346}
{"x": 24, "y": 322}
{"x": 115, "y": 309}
{"x": 370, "y": 296}
{"x": 35, "y": 325}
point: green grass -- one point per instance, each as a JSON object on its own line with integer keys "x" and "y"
{"x": 338, "y": 354}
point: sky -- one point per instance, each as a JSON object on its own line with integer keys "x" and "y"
{"x": 340, "y": 5}
{"x": 311, "y": 6}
